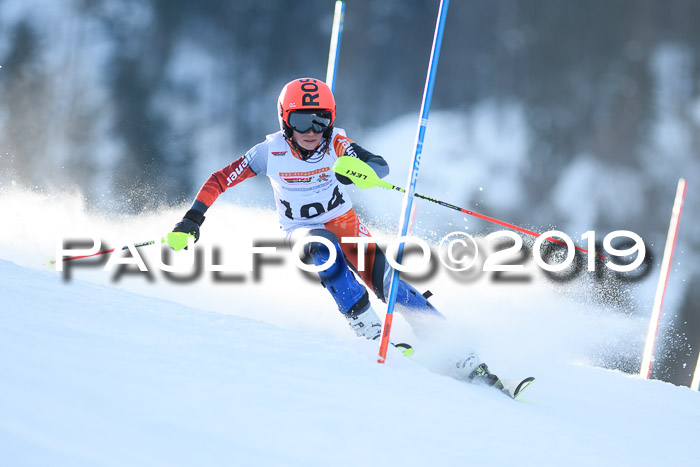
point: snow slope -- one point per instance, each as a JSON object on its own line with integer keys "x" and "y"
{"x": 99, "y": 371}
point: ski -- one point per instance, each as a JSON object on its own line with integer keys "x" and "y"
{"x": 513, "y": 388}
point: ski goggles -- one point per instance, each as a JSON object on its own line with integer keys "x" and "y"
{"x": 305, "y": 121}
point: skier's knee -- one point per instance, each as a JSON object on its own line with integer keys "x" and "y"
{"x": 318, "y": 250}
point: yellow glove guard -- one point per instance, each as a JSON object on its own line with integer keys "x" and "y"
{"x": 177, "y": 240}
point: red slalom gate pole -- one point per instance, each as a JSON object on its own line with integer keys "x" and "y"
{"x": 645, "y": 370}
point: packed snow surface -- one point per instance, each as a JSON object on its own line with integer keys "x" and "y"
{"x": 135, "y": 369}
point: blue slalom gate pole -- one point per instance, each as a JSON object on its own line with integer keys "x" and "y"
{"x": 336, "y": 36}
{"x": 413, "y": 175}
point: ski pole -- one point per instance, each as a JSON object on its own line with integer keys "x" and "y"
{"x": 103, "y": 252}
{"x": 413, "y": 175}
{"x": 365, "y": 177}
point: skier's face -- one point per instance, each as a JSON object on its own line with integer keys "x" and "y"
{"x": 308, "y": 140}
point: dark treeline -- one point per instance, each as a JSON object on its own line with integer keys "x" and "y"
{"x": 581, "y": 70}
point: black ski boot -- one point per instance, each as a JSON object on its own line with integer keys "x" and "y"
{"x": 482, "y": 375}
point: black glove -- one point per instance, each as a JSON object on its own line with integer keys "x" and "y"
{"x": 343, "y": 179}
{"x": 190, "y": 223}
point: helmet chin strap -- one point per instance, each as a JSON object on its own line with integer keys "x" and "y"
{"x": 306, "y": 154}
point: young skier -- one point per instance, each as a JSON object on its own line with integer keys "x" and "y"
{"x": 311, "y": 200}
